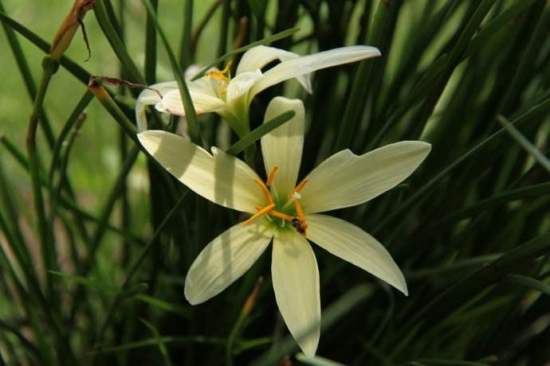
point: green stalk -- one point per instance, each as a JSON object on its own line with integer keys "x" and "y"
{"x": 76, "y": 70}
{"x": 359, "y": 93}
{"x": 134, "y": 268}
{"x": 192, "y": 122}
{"x": 116, "y": 43}
{"x": 151, "y": 46}
{"x": 532, "y": 150}
{"x": 106, "y": 212}
{"x": 186, "y": 51}
{"x": 49, "y": 254}
{"x": 25, "y": 72}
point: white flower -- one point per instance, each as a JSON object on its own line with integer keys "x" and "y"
{"x": 230, "y": 97}
{"x": 287, "y": 214}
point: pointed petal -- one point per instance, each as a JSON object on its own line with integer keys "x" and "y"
{"x": 149, "y": 97}
{"x": 224, "y": 260}
{"x": 203, "y": 102}
{"x": 345, "y": 179}
{"x": 282, "y": 147}
{"x": 304, "y": 65}
{"x": 352, "y": 244}
{"x": 296, "y": 284}
{"x": 222, "y": 179}
{"x": 240, "y": 85}
{"x": 258, "y": 57}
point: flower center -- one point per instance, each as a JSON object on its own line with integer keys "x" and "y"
{"x": 298, "y": 220}
{"x": 223, "y": 77}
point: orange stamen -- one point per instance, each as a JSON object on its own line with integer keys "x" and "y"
{"x": 300, "y": 213}
{"x": 272, "y": 175}
{"x": 220, "y": 75}
{"x": 277, "y": 214}
{"x": 301, "y": 185}
{"x": 265, "y": 191}
{"x": 259, "y": 213}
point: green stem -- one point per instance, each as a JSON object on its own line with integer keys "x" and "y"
{"x": 48, "y": 247}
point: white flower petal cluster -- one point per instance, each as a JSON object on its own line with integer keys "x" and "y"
{"x": 284, "y": 213}
{"x": 231, "y": 97}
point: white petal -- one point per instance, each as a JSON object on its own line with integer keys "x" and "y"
{"x": 282, "y": 147}
{"x": 224, "y": 260}
{"x": 310, "y": 63}
{"x": 240, "y": 85}
{"x": 296, "y": 284}
{"x": 352, "y": 244}
{"x": 149, "y": 97}
{"x": 345, "y": 179}
{"x": 258, "y": 57}
{"x": 222, "y": 179}
{"x": 203, "y": 102}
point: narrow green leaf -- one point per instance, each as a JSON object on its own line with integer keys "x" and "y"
{"x": 161, "y": 346}
{"x": 98, "y": 285}
{"x": 525, "y": 143}
{"x": 335, "y": 311}
{"x": 71, "y": 66}
{"x": 116, "y": 43}
{"x": 258, "y": 132}
{"x": 151, "y": 342}
{"x": 502, "y": 20}
{"x": 190, "y": 114}
{"x": 529, "y": 283}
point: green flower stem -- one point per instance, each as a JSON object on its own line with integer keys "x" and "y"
{"x": 134, "y": 268}
{"x": 200, "y": 28}
{"x": 114, "y": 110}
{"x": 331, "y": 315}
{"x": 192, "y": 122}
{"x": 67, "y": 128}
{"x": 359, "y": 93}
{"x": 116, "y": 43}
{"x": 49, "y": 254}
{"x": 501, "y": 21}
{"x": 253, "y": 136}
{"x": 104, "y": 216}
{"x": 71, "y": 66}
{"x": 224, "y": 27}
{"x": 35, "y": 293}
{"x": 25, "y": 72}
{"x": 26, "y": 300}
{"x": 526, "y": 62}
{"x": 55, "y": 189}
{"x": 151, "y": 47}
{"x": 239, "y": 324}
{"x": 525, "y": 143}
{"x": 67, "y": 202}
{"x": 186, "y": 47}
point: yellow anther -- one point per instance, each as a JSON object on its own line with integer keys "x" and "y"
{"x": 259, "y": 213}
{"x": 265, "y": 191}
{"x": 271, "y": 175}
